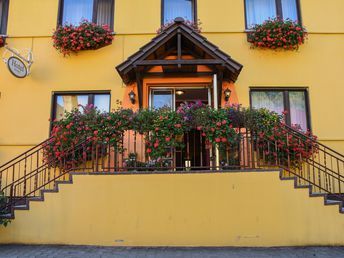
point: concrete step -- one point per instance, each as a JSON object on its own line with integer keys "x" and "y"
{"x": 332, "y": 202}
{"x": 21, "y": 207}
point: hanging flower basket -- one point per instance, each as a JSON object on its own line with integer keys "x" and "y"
{"x": 277, "y": 34}
{"x": 86, "y": 36}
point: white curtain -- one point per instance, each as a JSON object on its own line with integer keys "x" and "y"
{"x": 104, "y": 12}
{"x": 289, "y": 9}
{"x": 271, "y": 100}
{"x": 76, "y": 10}
{"x": 178, "y": 8}
{"x": 102, "y": 102}
{"x": 257, "y": 11}
{"x": 298, "y": 114}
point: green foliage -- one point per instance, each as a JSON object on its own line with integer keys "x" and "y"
{"x": 276, "y": 33}
{"x": 163, "y": 130}
{"x": 86, "y": 36}
{"x": 3, "y": 201}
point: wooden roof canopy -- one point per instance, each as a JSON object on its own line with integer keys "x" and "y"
{"x": 178, "y": 39}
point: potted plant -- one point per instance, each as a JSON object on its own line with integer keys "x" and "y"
{"x": 69, "y": 39}
{"x": 277, "y": 34}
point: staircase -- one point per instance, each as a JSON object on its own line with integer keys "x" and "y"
{"x": 29, "y": 176}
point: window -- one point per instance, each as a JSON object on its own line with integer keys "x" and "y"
{"x": 172, "y": 9}
{"x": 98, "y": 11}
{"x": 162, "y": 99}
{"x": 3, "y": 16}
{"x": 294, "y": 101}
{"x": 68, "y": 101}
{"x": 257, "y": 11}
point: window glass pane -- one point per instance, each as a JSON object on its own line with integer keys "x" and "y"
{"x": 104, "y": 12}
{"x": 298, "y": 111}
{"x": 289, "y": 10}
{"x": 68, "y": 103}
{"x": 271, "y": 100}
{"x": 178, "y": 8}
{"x": 76, "y": 10}
{"x": 162, "y": 99}
{"x": 257, "y": 11}
{"x": 102, "y": 102}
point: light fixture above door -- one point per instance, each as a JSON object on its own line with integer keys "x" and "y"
{"x": 180, "y": 92}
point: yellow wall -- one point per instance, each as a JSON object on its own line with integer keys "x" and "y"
{"x": 25, "y": 104}
{"x": 226, "y": 209}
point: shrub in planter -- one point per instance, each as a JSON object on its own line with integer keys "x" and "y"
{"x": 86, "y": 36}
{"x": 85, "y": 125}
{"x": 277, "y": 34}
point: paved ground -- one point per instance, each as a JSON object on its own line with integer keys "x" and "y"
{"x": 45, "y": 251}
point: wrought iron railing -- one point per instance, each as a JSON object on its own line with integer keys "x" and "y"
{"x": 28, "y": 174}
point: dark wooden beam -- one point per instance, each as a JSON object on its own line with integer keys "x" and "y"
{"x": 177, "y": 74}
{"x": 139, "y": 82}
{"x": 179, "y": 47}
{"x": 181, "y": 62}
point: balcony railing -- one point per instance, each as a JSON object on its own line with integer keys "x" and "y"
{"x": 29, "y": 174}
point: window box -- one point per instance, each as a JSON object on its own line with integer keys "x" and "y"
{"x": 2, "y": 41}
{"x": 86, "y": 36}
{"x": 277, "y": 34}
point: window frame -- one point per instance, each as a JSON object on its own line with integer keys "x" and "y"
{"x": 4, "y": 17}
{"x": 90, "y": 94}
{"x": 94, "y": 13}
{"x": 194, "y": 11}
{"x": 279, "y": 11}
{"x": 286, "y": 102}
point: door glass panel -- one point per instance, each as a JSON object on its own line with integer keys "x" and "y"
{"x": 102, "y": 102}
{"x": 68, "y": 103}
{"x": 271, "y": 100}
{"x": 162, "y": 99}
{"x": 298, "y": 111}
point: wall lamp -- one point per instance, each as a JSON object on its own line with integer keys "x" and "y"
{"x": 227, "y": 93}
{"x": 132, "y": 97}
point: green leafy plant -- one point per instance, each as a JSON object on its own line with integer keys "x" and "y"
{"x": 277, "y": 33}
{"x": 3, "y": 201}
{"x": 69, "y": 39}
{"x": 163, "y": 129}
{"x": 196, "y": 26}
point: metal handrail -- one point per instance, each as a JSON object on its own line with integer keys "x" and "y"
{"x": 27, "y": 174}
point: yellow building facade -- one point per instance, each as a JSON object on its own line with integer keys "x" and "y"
{"x": 28, "y": 104}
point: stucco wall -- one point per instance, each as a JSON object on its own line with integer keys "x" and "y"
{"x": 228, "y": 209}
{"x": 25, "y": 104}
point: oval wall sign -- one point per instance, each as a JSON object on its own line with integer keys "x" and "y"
{"x": 17, "y": 67}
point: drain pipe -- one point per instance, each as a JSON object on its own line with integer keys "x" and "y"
{"x": 216, "y": 106}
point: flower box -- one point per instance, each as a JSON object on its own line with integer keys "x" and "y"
{"x": 277, "y": 34}
{"x": 86, "y": 36}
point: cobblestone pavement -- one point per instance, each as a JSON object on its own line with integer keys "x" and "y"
{"x": 13, "y": 251}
